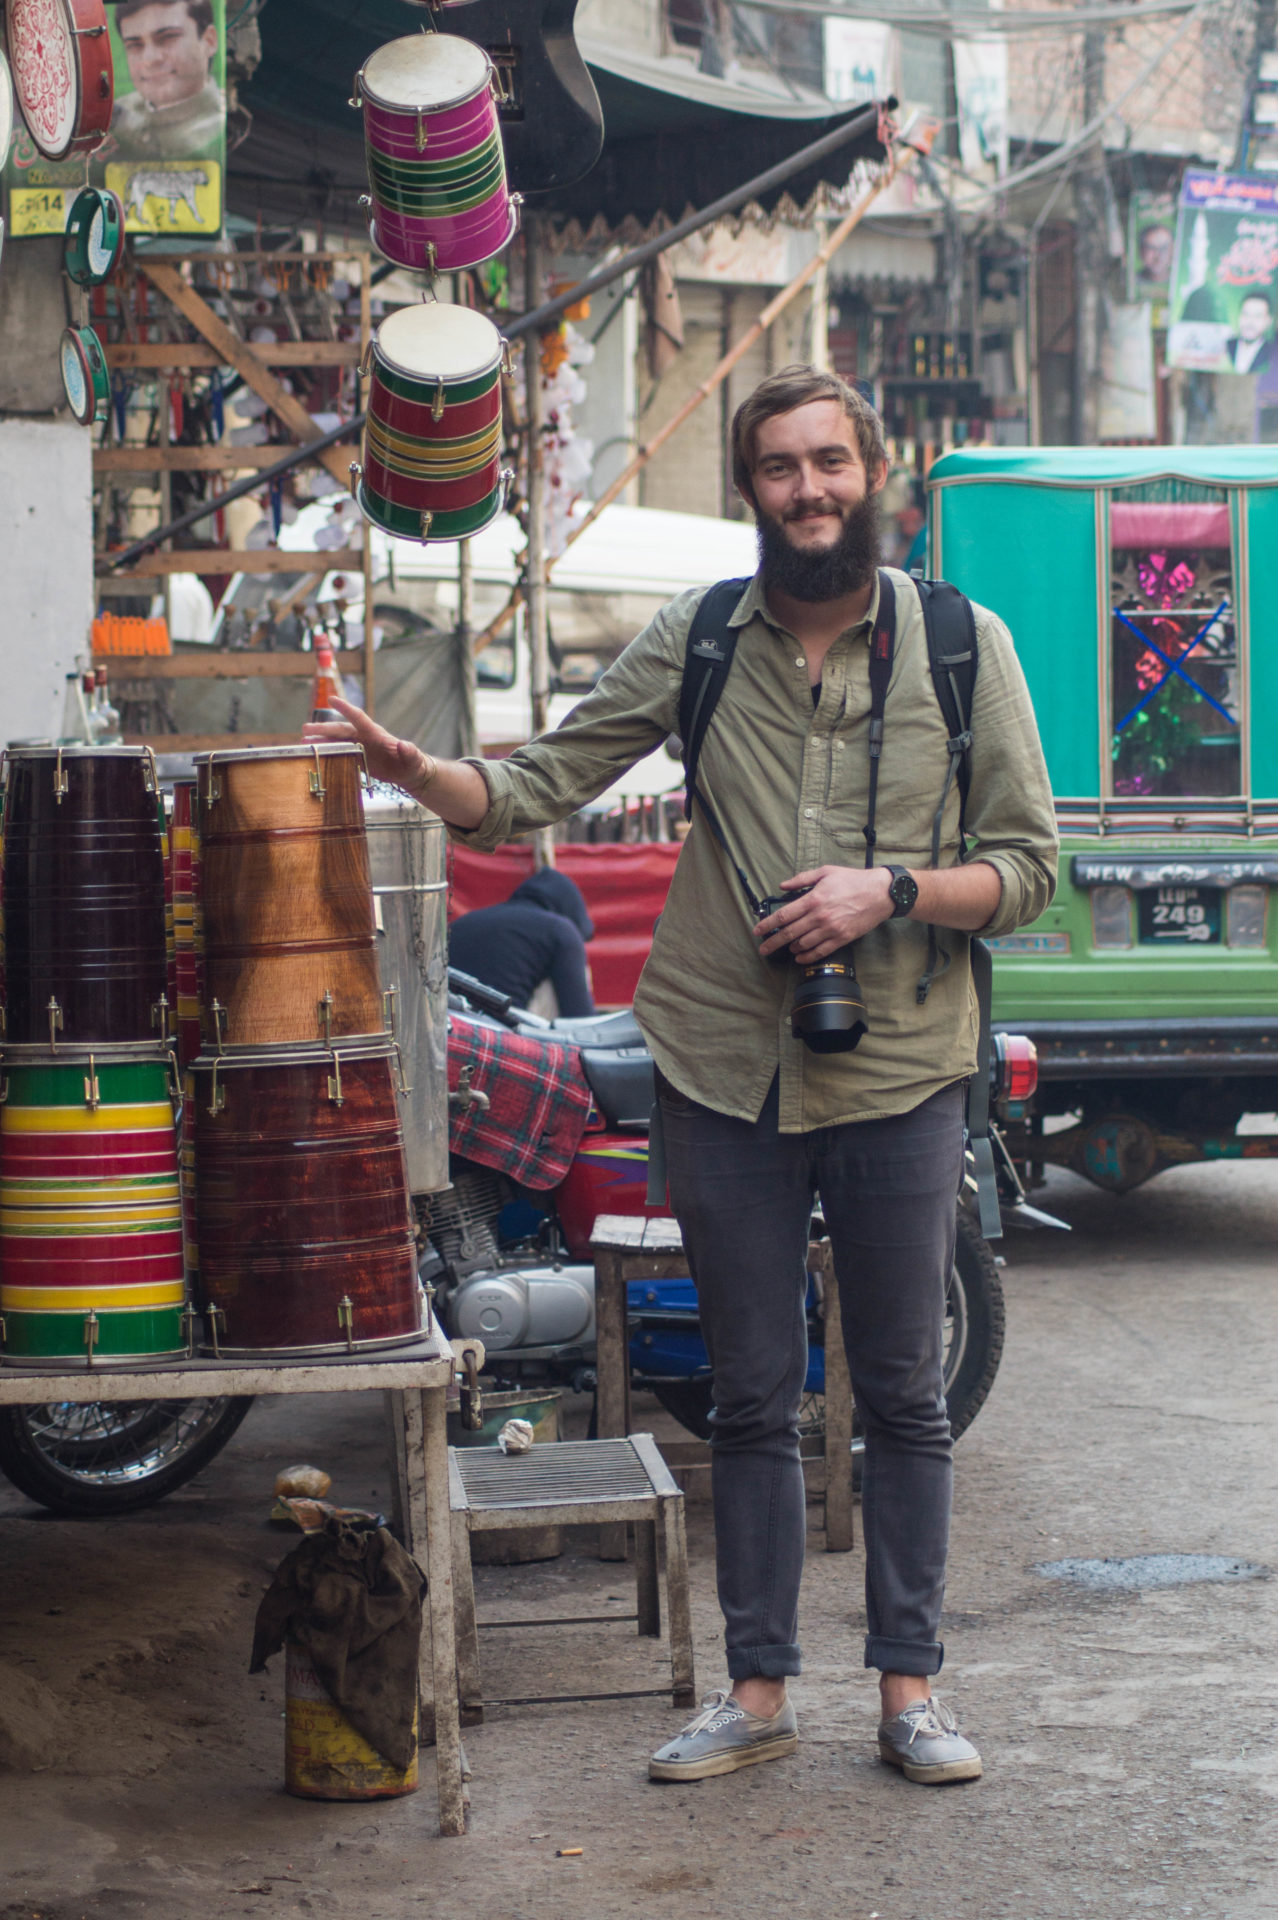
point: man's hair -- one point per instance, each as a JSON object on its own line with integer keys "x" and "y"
{"x": 1257, "y": 293}
{"x": 793, "y": 387}
{"x": 201, "y": 11}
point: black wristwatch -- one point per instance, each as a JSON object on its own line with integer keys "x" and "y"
{"x": 903, "y": 892}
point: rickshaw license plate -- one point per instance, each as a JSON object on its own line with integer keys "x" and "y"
{"x": 1184, "y": 916}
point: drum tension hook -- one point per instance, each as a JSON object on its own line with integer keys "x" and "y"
{"x": 318, "y": 788}
{"x": 404, "y": 1087}
{"x": 190, "y": 1321}
{"x": 325, "y": 1007}
{"x": 217, "y": 1095}
{"x": 160, "y": 1015}
{"x": 357, "y": 474}
{"x": 437, "y": 404}
{"x": 55, "y": 1023}
{"x": 346, "y": 1320}
{"x": 60, "y": 783}
{"x": 215, "y": 1314}
{"x": 389, "y": 998}
{"x": 92, "y": 1092}
{"x": 90, "y": 1334}
{"x": 335, "y": 1093}
{"x": 4, "y": 1089}
{"x": 217, "y": 1014}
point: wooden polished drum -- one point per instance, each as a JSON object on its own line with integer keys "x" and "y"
{"x": 406, "y": 850}
{"x": 432, "y": 443}
{"x": 438, "y": 198}
{"x": 83, "y": 897}
{"x": 186, "y": 932}
{"x": 303, "y": 1243}
{"x": 289, "y": 953}
{"x": 91, "y": 1260}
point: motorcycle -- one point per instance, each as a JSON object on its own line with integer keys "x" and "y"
{"x": 513, "y": 1266}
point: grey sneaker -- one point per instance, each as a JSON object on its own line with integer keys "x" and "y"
{"x": 722, "y": 1738}
{"x": 925, "y": 1743}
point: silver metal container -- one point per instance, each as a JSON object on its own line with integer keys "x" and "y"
{"x": 406, "y": 846}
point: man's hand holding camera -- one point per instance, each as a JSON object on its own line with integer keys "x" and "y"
{"x": 829, "y": 908}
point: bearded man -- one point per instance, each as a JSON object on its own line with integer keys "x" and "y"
{"x": 755, "y": 1124}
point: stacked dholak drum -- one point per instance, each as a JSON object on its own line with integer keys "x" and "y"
{"x": 261, "y": 955}
{"x": 300, "y": 1208}
{"x": 91, "y": 1264}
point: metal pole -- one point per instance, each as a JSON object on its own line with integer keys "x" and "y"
{"x": 1090, "y": 216}
{"x": 465, "y": 652}
{"x": 535, "y": 562}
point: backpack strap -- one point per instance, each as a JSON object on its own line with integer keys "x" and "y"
{"x": 952, "y": 657}
{"x": 882, "y": 655}
{"x": 707, "y": 657}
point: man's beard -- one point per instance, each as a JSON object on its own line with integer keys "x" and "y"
{"x": 830, "y": 572}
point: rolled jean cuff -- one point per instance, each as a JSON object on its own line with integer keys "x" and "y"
{"x": 763, "y": 1663}
{"x": 903, "y": 1656}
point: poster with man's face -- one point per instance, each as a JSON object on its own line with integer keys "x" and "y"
{"x": 1225, "y": 275}
{"x": 1151, "y": 247}
{"x": 165, "y": 153}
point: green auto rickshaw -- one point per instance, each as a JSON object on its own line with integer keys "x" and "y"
{"x": 1139, "y": 586}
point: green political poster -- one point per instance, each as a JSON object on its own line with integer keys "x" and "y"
{"x": 1225, "y": 275}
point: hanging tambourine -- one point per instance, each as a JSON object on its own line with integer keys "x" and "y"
{"x": 95, "y": 236}
{"x": 84, "y": 374}
{"x": 60, "y": 51}
{"x": 6, "y": 110}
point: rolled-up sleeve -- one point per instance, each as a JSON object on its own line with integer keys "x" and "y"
{"x": 632, "y": 709}
{"x": 1010, "y": 816}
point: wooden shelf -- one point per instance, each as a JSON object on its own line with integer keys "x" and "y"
{"x": 224, "y": 560}
{"x": 219, "y": 665}
{"x": 219, "y": 459}
{"x": 195, "y": 353}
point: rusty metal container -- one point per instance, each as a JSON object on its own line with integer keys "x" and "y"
{"x": 324, "y": 1757}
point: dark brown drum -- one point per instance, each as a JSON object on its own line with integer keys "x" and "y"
{"x": 83, "y": 896}
{"x": 302, "y": 1235}
{"x": 289, "y": 936}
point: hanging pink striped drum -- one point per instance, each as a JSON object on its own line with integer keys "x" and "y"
{"x": 438, "y": 198}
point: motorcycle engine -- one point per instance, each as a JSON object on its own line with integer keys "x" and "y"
{"x": 525, "y": 1307}
{"x": 461, "y": 1220}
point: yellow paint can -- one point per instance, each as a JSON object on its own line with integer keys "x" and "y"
{"x": 324, "y": 1757}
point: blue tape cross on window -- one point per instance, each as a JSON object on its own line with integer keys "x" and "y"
{"x": 1174, "y": 666}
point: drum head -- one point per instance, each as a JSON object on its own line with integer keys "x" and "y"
{"x": 46, "y": 72}
{"x": 437, "y": 342}
{"x": 425, "y": 72}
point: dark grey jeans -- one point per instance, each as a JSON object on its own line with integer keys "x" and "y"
{"x": 742, "y": 1195}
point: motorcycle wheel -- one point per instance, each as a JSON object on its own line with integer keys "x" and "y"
{"x": 974, "y": 1326}
{"x": 112, "y": 1456}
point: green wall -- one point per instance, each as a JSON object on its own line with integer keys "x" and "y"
{"x": 1029, "y": 554}
{"x": 1262, "y": 608}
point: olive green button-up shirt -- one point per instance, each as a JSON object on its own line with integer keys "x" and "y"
{"x": 789, "y": 786}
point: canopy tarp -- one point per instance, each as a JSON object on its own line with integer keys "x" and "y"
{"x": 1235, "y": 466}
{"x": 674, "y": 138}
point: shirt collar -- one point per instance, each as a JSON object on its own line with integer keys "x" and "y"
{"x": 754, "y": 601}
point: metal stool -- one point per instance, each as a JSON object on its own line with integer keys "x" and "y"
{"x": 572, "y": 1482}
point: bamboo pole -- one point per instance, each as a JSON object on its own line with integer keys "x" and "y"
{"x": 775, "y": 307}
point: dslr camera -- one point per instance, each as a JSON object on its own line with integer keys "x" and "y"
{"x": 828, "y": 1013}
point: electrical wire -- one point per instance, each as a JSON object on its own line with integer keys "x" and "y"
{"x": 949, "y": 22}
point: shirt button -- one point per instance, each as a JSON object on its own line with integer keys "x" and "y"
{"x": 838, "y": 746}
{"x": 799, "y": 661}
{"x": 808, "y": 812}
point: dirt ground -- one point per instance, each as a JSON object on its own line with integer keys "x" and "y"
{"x": 1128, "y": 1738}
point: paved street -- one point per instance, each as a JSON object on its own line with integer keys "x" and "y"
{"x": 1128, "y": 1737}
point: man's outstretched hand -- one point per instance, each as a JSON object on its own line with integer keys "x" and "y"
{"x": 398, "y": 762}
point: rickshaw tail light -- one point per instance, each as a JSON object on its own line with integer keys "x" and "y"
{"x": 1013, "y": 1067}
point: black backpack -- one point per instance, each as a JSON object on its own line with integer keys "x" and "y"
{"x": 953, "y": 659}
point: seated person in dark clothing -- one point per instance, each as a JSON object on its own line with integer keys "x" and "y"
{"x": 538, "y": 934}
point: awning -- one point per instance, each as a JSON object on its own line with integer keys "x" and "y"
{"x": 674, "y": 138}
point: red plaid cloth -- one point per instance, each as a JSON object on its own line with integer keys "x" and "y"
{"x": 538, "y": 1102}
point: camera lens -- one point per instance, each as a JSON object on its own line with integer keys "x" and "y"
{"x": 829, "y": 1013}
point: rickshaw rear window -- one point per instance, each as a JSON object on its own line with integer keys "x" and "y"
{"x": 1174, "y": 676}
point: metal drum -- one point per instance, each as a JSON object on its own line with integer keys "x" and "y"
{"x": 406, "y": 846}
{"x": 289, "y": 953}
{"x": 432, "y": 444}
{"x": 63, "y": 76}
{"x": 83, "y": 897}
{"x": 438, "y": 197}
{"x": 91, "y": 1264}
{"x": 301, "y": 1202}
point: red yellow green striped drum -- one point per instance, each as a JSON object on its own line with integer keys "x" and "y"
{"x": 91, "y": 1260}
{"x": 432, "y": 445}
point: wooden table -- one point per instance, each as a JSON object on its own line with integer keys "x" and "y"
{"x": 416, "y": 1381}
{"x": 629, "y": 1247}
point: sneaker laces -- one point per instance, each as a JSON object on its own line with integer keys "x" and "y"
{"x": 712, "y": 1707}
{"x": 928, "y": 1717}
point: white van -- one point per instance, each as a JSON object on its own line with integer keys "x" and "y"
{"x": 607, "y": 586}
